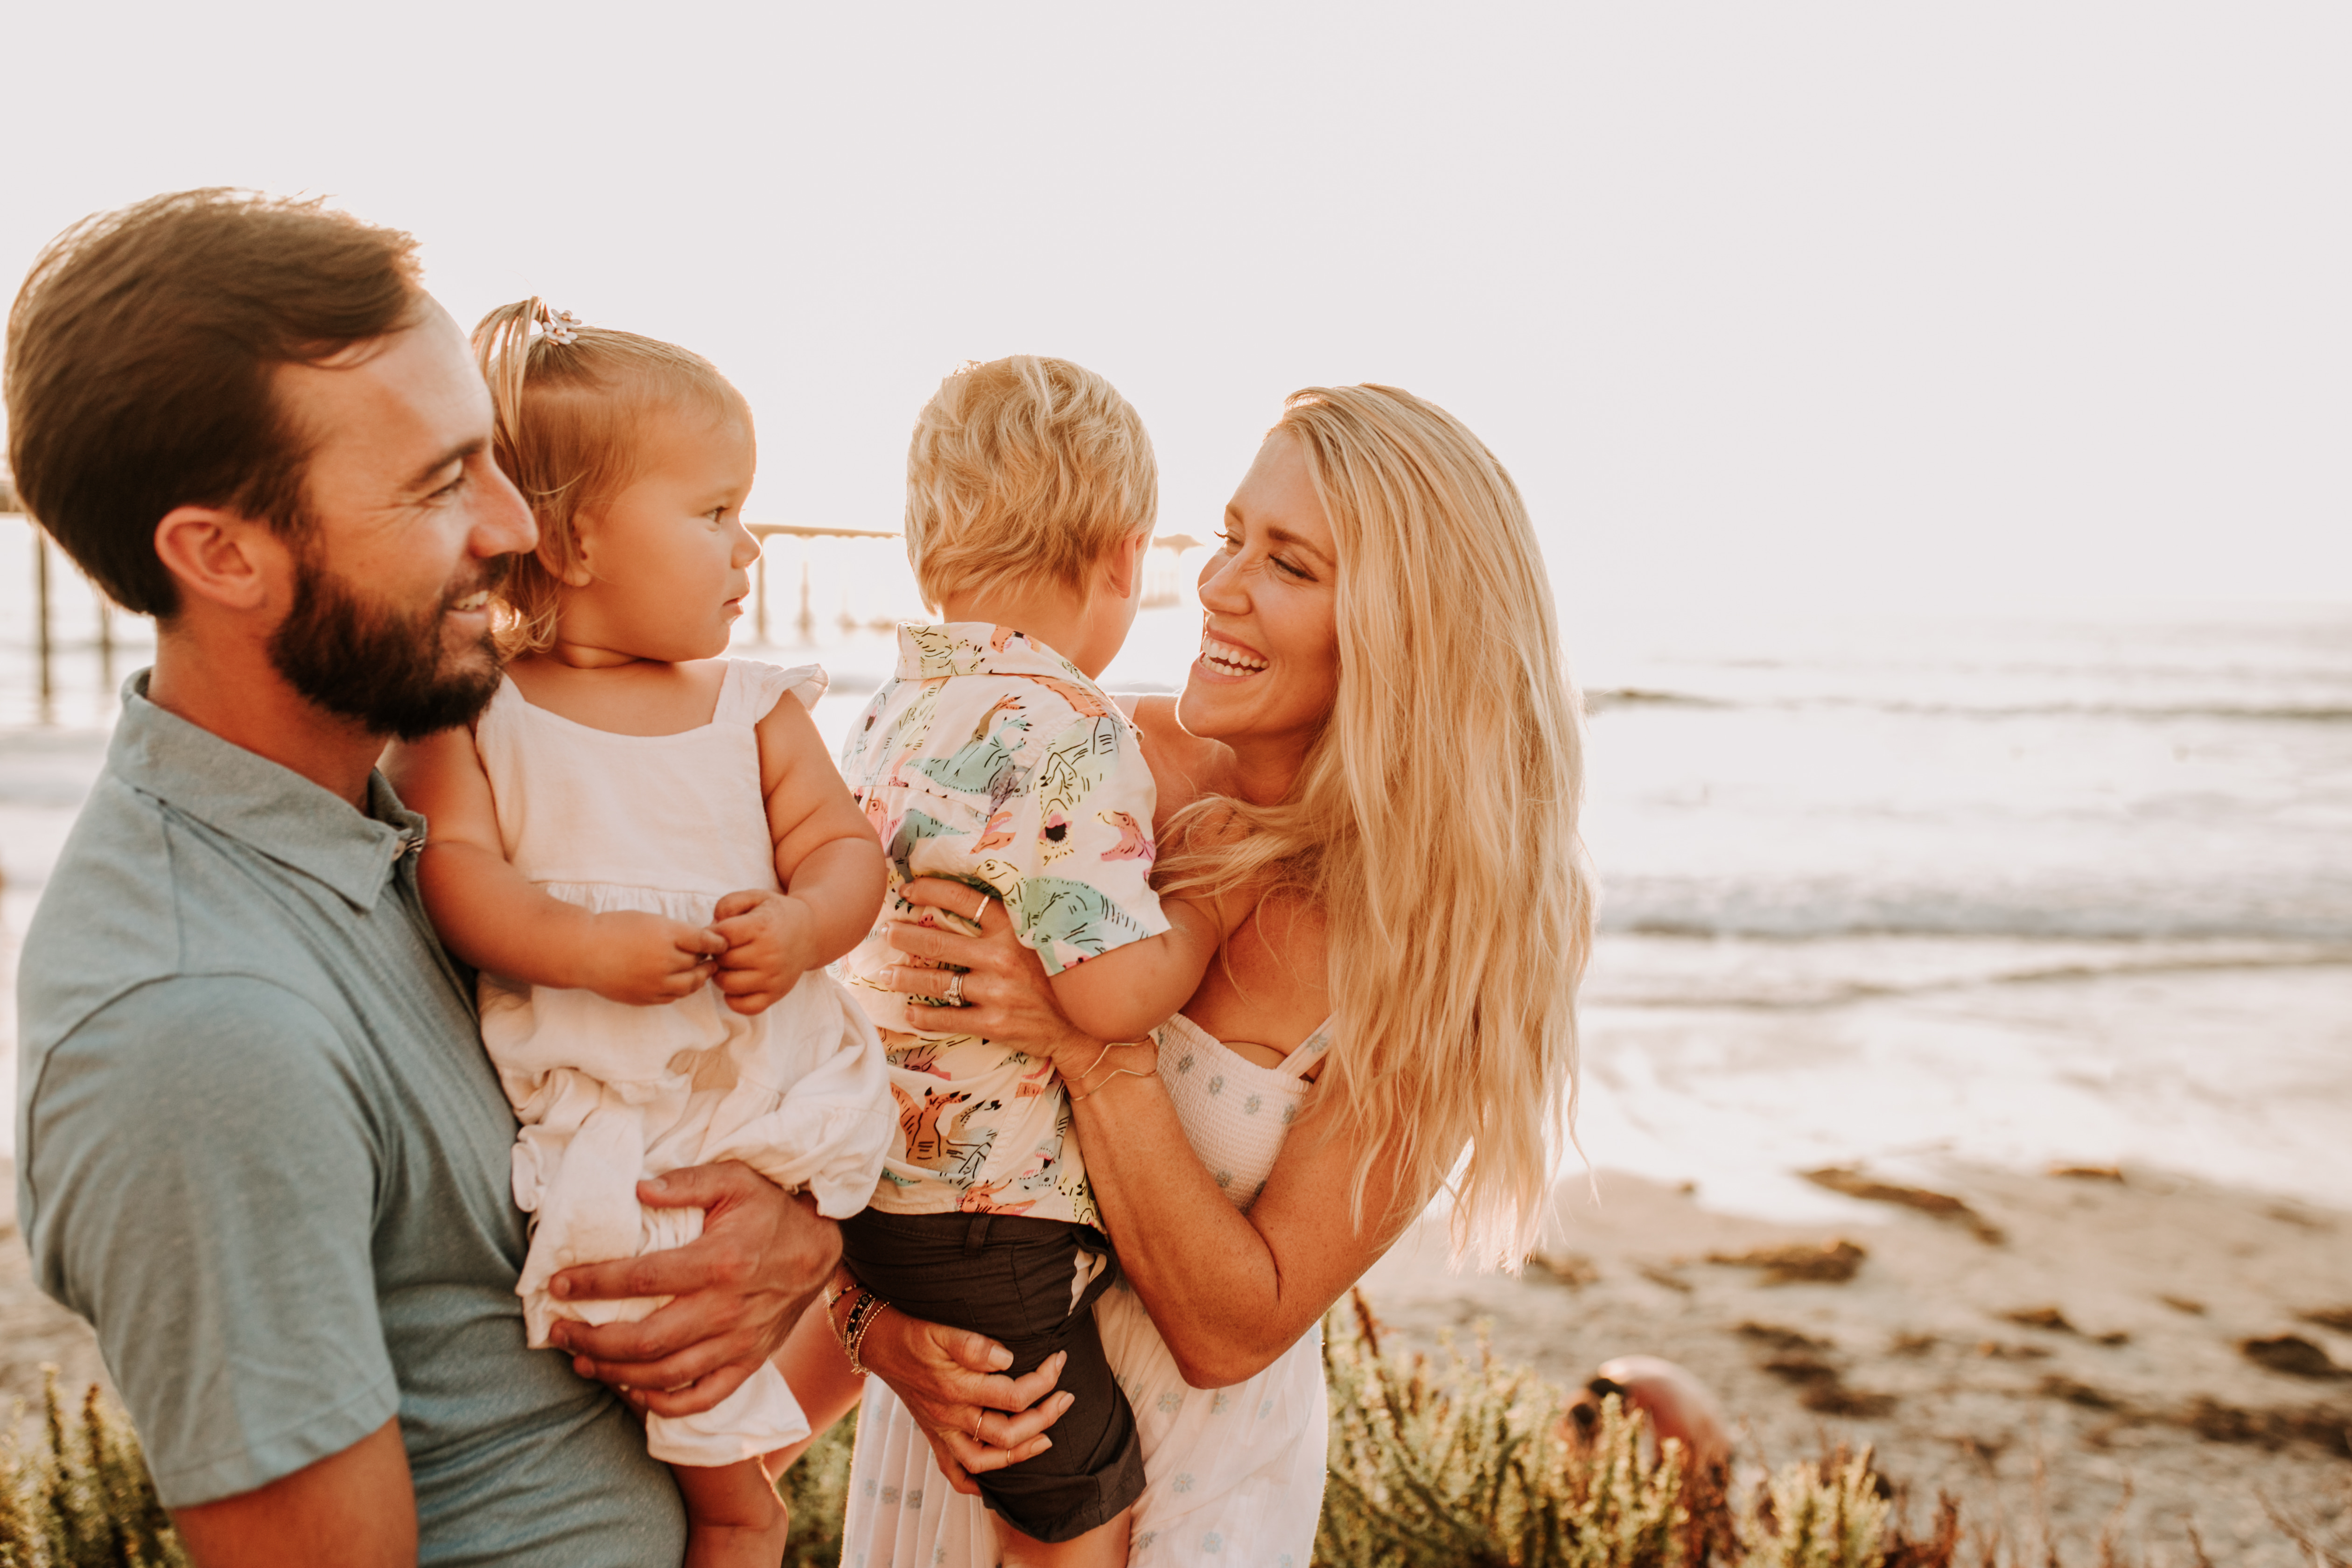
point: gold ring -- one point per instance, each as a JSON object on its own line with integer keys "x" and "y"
{"x": 976, "y": 1437}
{"x": 977, "y": 914}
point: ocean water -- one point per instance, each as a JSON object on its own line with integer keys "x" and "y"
{"x": 2070, "y": 885}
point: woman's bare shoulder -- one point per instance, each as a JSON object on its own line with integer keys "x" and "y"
{"x": 1273, "y": 987}
{"x": 1184, "y": 764}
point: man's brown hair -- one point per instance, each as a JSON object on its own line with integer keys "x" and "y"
{"x": 141, "y": 352}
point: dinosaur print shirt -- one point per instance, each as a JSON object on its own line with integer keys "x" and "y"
{"x": 989, "y": 759}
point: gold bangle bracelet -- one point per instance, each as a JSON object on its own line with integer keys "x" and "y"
{"x": 1151, "y": 1071}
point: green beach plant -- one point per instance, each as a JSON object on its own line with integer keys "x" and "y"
{"x": 816, "y": 1490}
{"x": 1435, "y": 1464}
{"x": 1820, "y": 1516}
{"x": 75, "y": 1493}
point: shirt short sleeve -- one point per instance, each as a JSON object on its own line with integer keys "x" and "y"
{"x": 204, "y": 1176}
{"x": 1087, "y": 888}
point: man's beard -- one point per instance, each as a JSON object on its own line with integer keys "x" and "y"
{"x": 386, "y": 670}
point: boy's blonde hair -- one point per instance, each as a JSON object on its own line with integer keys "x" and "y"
{"x": 1023, "y": 468}
{"x": 568, "y": 403}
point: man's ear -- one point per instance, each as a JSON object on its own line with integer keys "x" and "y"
{"x": 221, "y": 557}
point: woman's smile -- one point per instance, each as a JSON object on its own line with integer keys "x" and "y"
{"x": 1222, "y": 660}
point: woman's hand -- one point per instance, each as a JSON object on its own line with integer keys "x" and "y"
{"x": 951, "y": 1382}
{"x": 1005, "y": 994}
{"x": 736, "y": 1290}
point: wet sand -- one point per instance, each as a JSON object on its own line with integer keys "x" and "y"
{"x": 2081, "y": 1370}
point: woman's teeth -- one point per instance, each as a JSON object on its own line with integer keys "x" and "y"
{"x": 471, "y": 602}
{"x": 1226, "y": 659}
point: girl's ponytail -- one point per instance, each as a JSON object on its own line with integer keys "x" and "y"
{"x": 501, "y": 347}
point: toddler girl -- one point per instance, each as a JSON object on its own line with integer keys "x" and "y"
{"x": 647, "y": 851}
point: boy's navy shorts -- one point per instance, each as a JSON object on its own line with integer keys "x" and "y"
{"x": 1012, "y": 1278}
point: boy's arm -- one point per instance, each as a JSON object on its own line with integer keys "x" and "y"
{"x": 826, "y": 858}
{"x": 491, "y": 916}
{"x": 1125, "y": 994}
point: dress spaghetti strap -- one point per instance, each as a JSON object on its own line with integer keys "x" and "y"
{"x": 1310, "y": 1050}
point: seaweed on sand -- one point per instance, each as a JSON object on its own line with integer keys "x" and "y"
{"x": 1942, "y": 1205}
{"x": 1825, "y": 1262}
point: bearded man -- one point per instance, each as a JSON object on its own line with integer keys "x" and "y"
{"x": 260, "y": 1146}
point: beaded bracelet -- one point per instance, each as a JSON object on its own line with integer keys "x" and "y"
{"x": 853, "y": 1332}
{"x": 850, "y": 1332}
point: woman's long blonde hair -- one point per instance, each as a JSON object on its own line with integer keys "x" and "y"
{"x": 1434, "y": 821}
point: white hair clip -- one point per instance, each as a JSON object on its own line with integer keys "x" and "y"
{"x": 560, "y": 326}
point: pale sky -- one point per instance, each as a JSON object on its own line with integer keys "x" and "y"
{"x": 1757, "y": 301}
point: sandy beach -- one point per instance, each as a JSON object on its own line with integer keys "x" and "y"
{"x": 2064, "y": 1356}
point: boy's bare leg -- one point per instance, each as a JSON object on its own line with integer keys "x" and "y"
{"x": 1104, "y": 1546}
{"x": 733, "y": 1517}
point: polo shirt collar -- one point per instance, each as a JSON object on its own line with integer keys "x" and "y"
{"x": 273, "y": 809}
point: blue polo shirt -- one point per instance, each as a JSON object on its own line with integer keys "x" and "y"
{"x": 260, "y": 1148}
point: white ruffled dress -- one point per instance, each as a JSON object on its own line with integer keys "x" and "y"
{"x": 1233, "y": 1477}
{"x": 609, "y": 1094}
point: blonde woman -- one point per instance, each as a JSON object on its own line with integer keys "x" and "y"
{"x": 1378, "y": 748}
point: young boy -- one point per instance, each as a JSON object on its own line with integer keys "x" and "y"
{"x": 993, "y": 758}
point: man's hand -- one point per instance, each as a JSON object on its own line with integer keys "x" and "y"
{"x": 356, "y": 1508}
{"x": 736, "y": 1290}
{"x": 771, "y": 943}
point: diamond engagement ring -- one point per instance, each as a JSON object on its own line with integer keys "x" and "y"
{"x": 955, "y": 989}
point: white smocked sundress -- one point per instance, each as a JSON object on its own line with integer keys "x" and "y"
{"x": 609, "y": 1094}
{"x": 1233, "y": 1477}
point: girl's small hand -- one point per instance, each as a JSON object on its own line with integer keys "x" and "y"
{"x": 646, "y": 960}
{"x": 769, "y": 945}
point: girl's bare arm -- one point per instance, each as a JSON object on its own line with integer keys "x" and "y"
{"x": 491, "y": 916}
{"x": 826, "y": 858}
